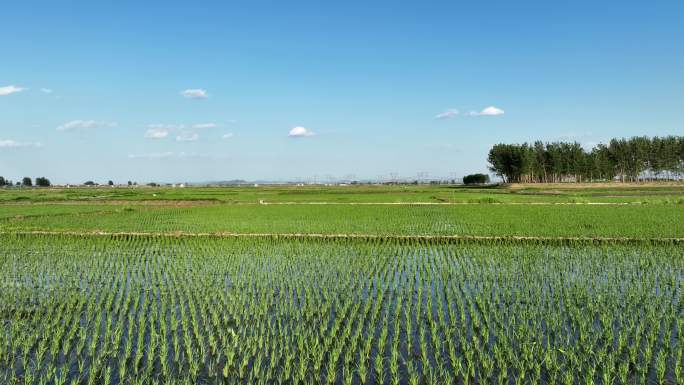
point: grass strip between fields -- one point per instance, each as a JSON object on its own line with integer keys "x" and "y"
{"x": 483, "y": 202}
{"x": 191, "y": 203}
{"x": 435, "y": 238}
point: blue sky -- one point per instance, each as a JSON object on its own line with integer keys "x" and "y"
{"x": 95, "y": 90}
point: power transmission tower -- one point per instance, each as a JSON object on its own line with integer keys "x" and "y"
{"x": 422, "y": 176}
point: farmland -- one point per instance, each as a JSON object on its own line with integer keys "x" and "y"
{"x": 642, "y": 221}
{"x": 661, "y": 193}
{"x": 522, "y": 285}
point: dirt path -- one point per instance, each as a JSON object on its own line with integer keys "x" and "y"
{"x": 444, "y": 238}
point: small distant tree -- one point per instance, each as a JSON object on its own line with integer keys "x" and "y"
{"x": 476, "y": 179}
{"x": 3, "y": 182}
{"x": 89, "y": 183}
{"x": 130, "y": 183}
{"x": 42, "y": 182}
{"x": 111, "y": 183}
{"x": 26, "y": 181}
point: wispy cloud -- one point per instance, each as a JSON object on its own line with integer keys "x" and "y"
{"x": 195, "y": 155}
{"x": 46, "y": 90}
{"x": 300, "y": 132}
{"x": 587, "y": 140}
{"x": 169, "y": 127}
{"x": 187, "y": 137}
{"x": 156, "y": 133}
{"x": 450, "y": 113}
{"x": 228, "y": 135}
{"x": 489, "y": 111}
{"x": 9, "y": 143}
{"x": 175, "y": 155}
{"x": 589, "y": 145}
{"x": 447, "y": 147}
{"x": 8, "y": 90}
{"x": 85, "y": 124}
{"x": 153, "y": 155}
{"x": 200, "y": 126}
{"x": 194, "y": 93}
{"x": 574, "y": 136}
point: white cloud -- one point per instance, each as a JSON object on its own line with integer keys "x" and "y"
{"x": 587, "y": 140}
{"x": 489, "y": 111}
{"x": 176, "y": 155}
{"x": 168, "y": 127}
{"x": 187, "y": 137}
{"x": 199, "y": 126}
{"x": 228, "y": 135}
{"x": 85, "y": 124}
{"x": 449, "y": 147}
{"x": 194, "y": 93}
{"x": 9, "y": 143}
{"x": 194, "y": 155}
{"x": 46, "y": 90}
{"x": 575, "y": 136}
{"x": 156, "y": 133}
{"x": 492, "y": 111}
{"x": 154, "y": 155}
{"x": 7, "y": 90}
{"x": 589, "y": 145}
{"x": 450, "y": 113}
{"x": 300, "y": 132}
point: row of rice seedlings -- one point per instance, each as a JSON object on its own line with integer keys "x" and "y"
{"x": 129, "y": 310}
{"x": 634, "y": 221}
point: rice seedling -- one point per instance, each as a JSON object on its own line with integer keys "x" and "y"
{"x": 144, "y": 309}
{"x": 633, "y": 221}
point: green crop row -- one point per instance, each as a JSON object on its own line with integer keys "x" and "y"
{"x": 161, "y": 310}
{"x": 479, "y": 220}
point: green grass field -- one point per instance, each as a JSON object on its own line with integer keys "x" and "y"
{"x": 178, "y": 296}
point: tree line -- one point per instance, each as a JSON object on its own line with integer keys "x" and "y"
{"x": 45, "y": 182}
{"x": 26, "y": 182}
{"x": 626, "y": 159}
